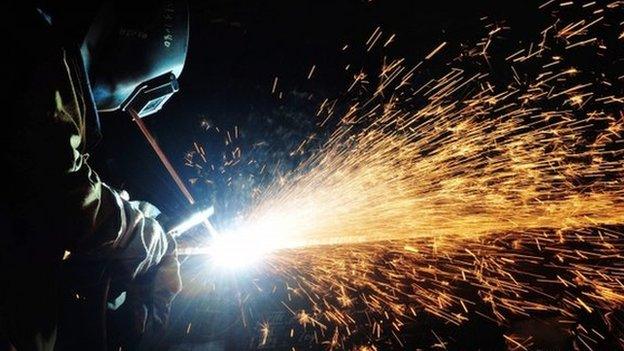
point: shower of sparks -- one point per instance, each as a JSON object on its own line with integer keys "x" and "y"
{"x": 461, "y": 196}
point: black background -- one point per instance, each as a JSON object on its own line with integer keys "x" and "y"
{"x": 236, "y": 50}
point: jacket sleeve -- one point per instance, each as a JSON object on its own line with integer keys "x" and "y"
{"x": 57, "y": 198}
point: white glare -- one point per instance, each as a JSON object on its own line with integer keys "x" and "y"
{"x": 250, "y": 242}
{"x": 238, "y": 249}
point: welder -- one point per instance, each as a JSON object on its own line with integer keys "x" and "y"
{"x": 62, "y": 71}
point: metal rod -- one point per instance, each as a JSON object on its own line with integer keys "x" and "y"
{"x": 161, "y": 155}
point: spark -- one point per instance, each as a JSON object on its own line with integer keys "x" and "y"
{"x": 435, "y": 51}
{"x": 274, "y": 87}
{"x": 264, "y": 332}
{"x": 311, "y": 71}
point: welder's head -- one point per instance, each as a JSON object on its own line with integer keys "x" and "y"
{"x": 134, "y": 52}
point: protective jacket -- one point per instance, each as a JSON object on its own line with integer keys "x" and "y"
{"x": 53, "y": 204}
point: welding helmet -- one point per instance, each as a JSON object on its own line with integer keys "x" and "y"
{"x": 134, "y": 52}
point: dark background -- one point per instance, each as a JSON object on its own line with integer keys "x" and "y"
{"x": 236, "y": 50}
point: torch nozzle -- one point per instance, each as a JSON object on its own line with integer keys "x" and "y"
{"x": 200, "y": 217}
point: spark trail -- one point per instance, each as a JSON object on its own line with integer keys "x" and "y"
{"x": 457, "y": 156}
{"x": 426, "y": 187}
{"x": 451, "y": 175}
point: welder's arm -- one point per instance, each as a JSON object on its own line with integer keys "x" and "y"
{"x": 134, "y": 241}
{"x": 90, "y": 219}
{"x": 100, "y": 224}
{"x": 154, "y": 285}
{"x": 140, "y": 235}
{"x": 55, "y": 192}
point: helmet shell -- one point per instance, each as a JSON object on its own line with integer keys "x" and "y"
{"x": 130, "y": 43}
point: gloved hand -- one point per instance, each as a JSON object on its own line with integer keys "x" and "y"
{"x": 165, "y": 285}
{"x": 144, "y": 314}
{"x": 156, "y": 277}
{"x": 149, "y": 296}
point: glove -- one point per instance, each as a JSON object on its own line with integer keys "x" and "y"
{"x": 164, "y": 280}
{"x": 156, "y": 277}
{"x": 166, "y": 284}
